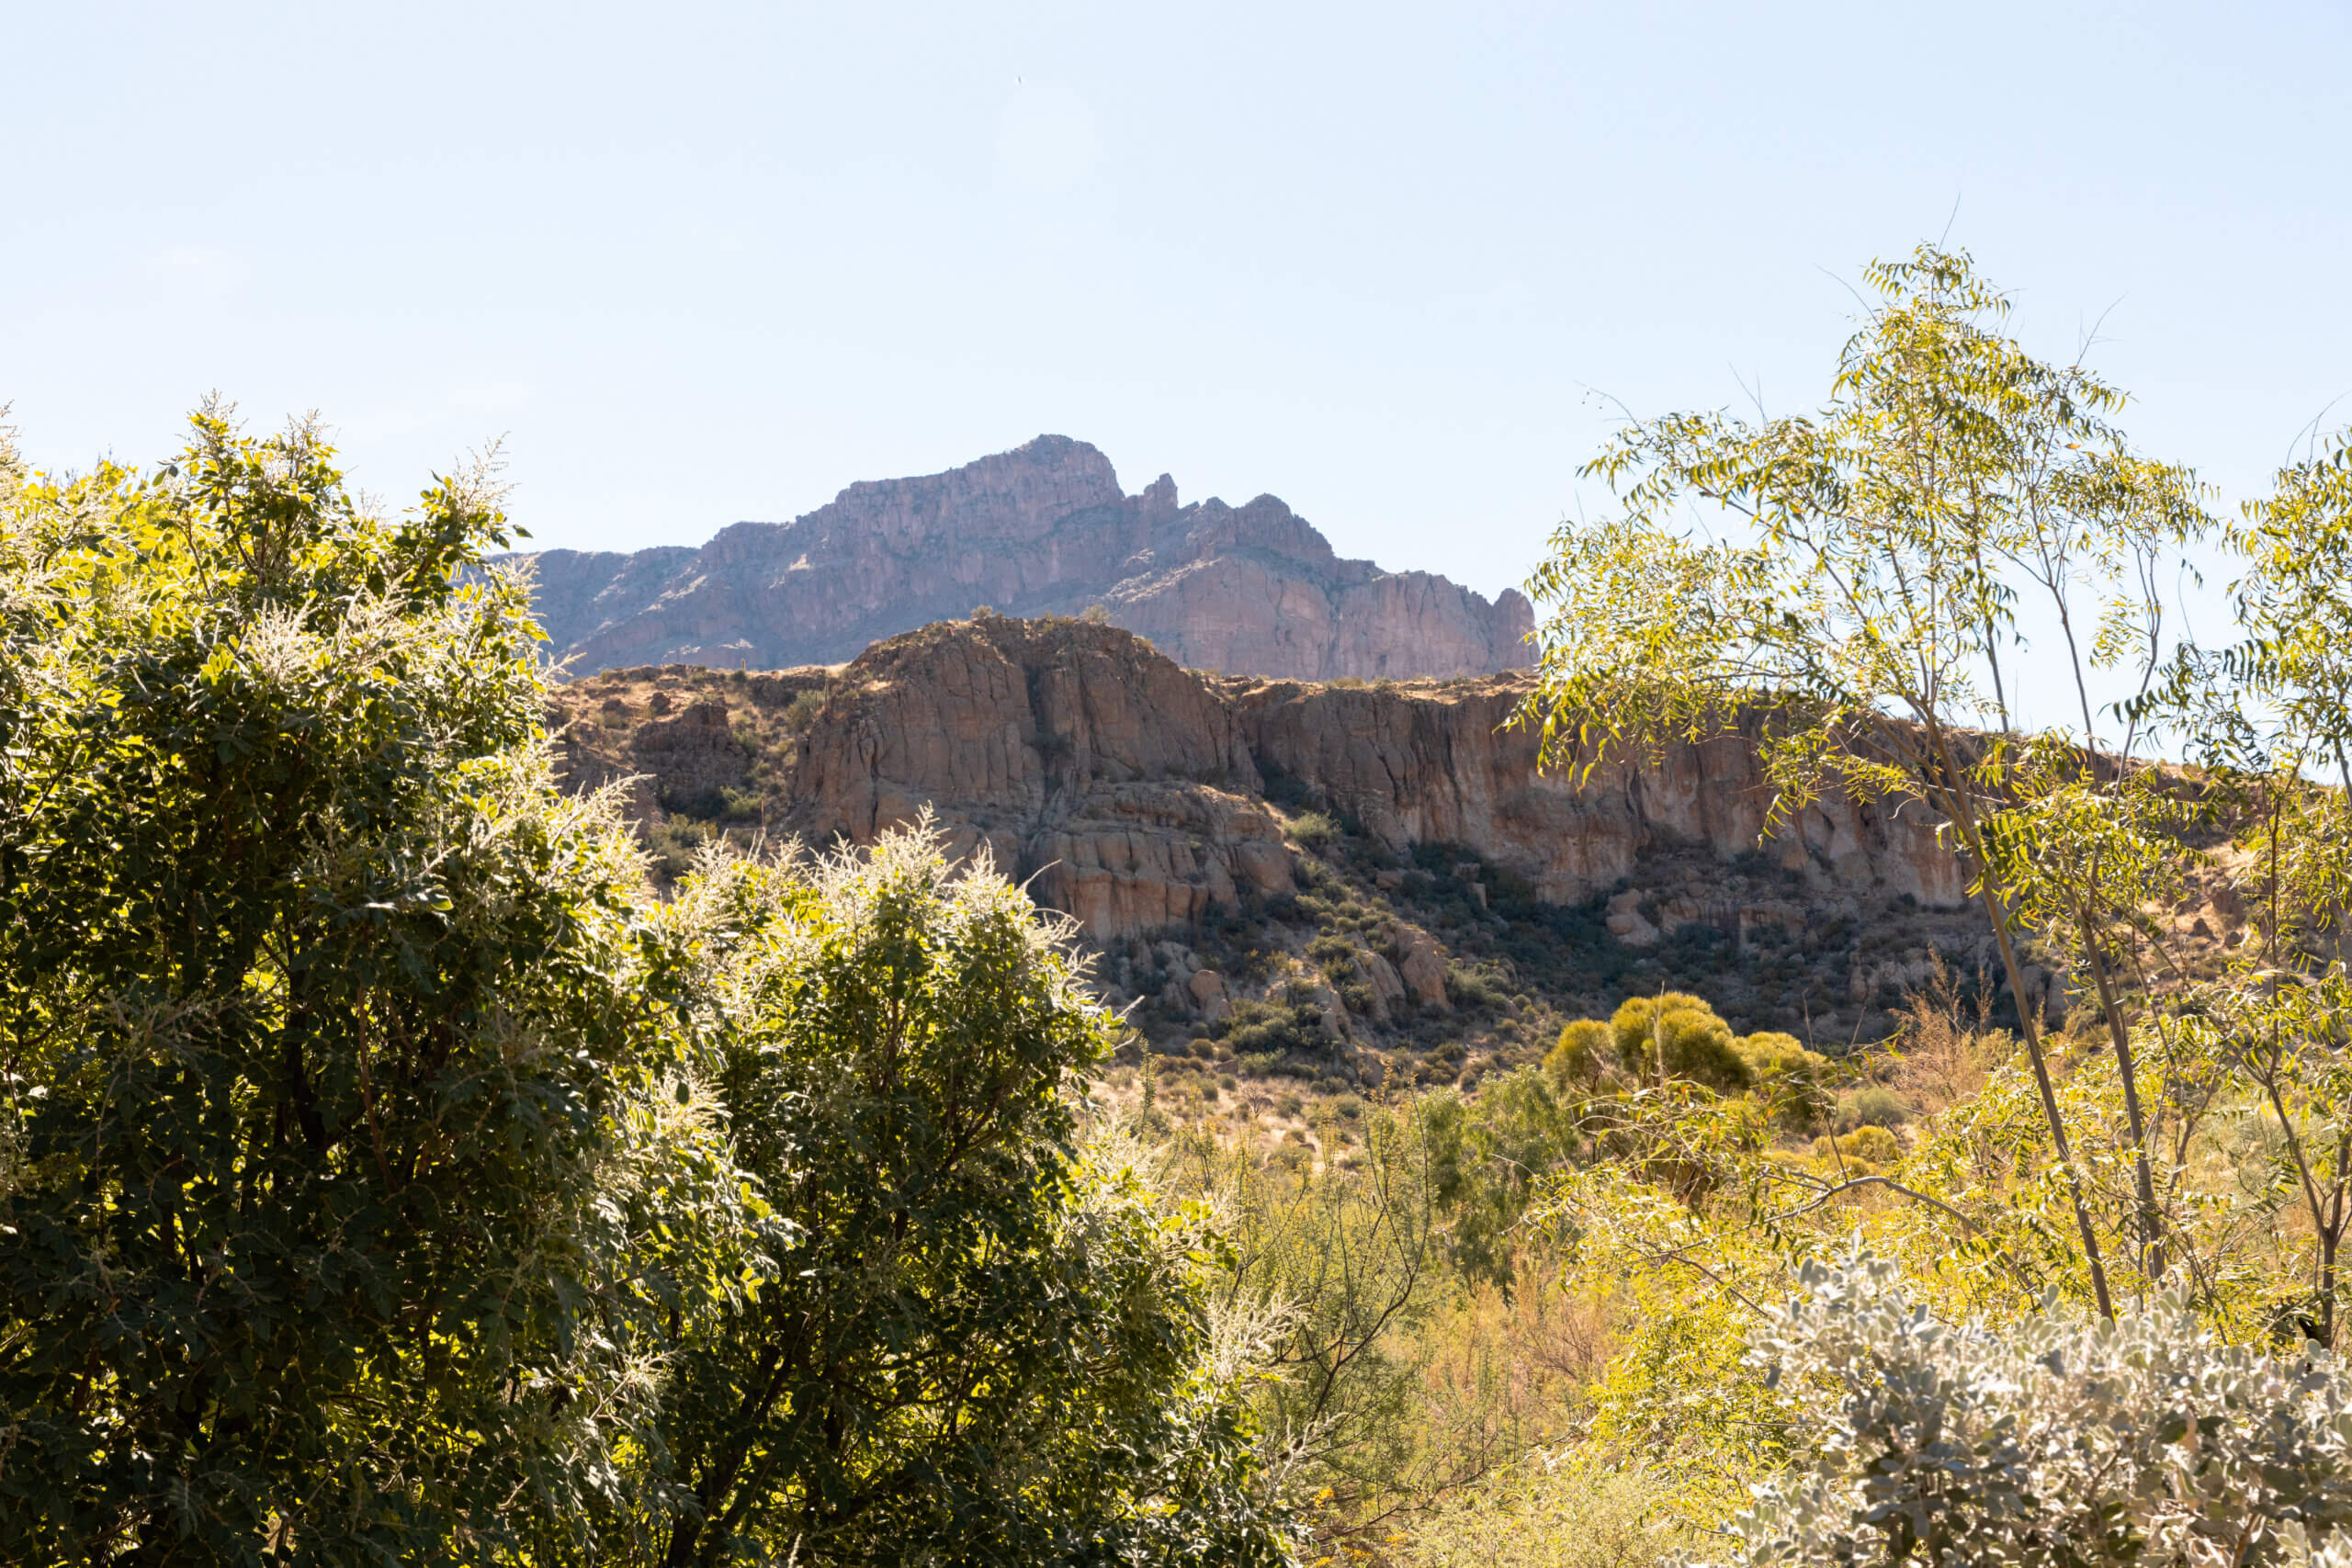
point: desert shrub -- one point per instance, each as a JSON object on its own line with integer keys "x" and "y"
{"x": 1680, "y": 1035}
{"x": 1773, "y": 1055}
{"x": 1287, "y": 1028}
{"x": 1873, "y": 1105}
{"x": 1577, "y": 1509}
{"x": 1471, "y": 988}
{"x": 1488, "y": 1156}
{"x": 673, "y": 846}
{"x": 1788, "y": 1073}
{"x": 1315, "y": 831}
{"x": 1585, "y": 1055}
{"x": 1868, "y": 1144}
{"x": 801, "y": 711}
{"x": 894, "y": 1052}
{"x": 2057, "y": 1438}
{"x": 1947, "y": 1045}
{"x": 1680, "y": 1393}
{"x": 983, "y": 611}
{"x": 1341, "y": 1261}
{"x": 1335, "y": 955}
{"x": 1095, "y": 615}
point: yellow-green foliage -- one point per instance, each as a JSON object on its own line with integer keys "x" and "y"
{"x": 1772, "y": 1055}
{"x": 1586, "y": 1056}
{"x": 1675, "y": 1035}
{"x": 1683, "y": 1033}
{"x": 1867, "y": 1144}
{"x": 1571, "y": 1509}
{"x": 1789, "y": 1075}
{"x": 1683, "y": 1394}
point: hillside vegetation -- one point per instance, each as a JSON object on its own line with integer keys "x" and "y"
{"x": 425, "y": 1141}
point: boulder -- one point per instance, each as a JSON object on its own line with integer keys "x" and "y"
{"x": 1422, "y": 967}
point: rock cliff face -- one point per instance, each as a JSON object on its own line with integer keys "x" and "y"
{"x": 1068, "y": 746}
{"x": 1159, "y": 807}
{"x": 1044, "y": 529}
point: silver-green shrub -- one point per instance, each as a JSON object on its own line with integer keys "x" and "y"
{"x": 2053, "y": 1441}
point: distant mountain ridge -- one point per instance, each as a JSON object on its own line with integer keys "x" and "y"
{"x": 1042, "y": 529}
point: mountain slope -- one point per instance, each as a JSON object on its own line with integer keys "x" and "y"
{"x": 1044, "y": 529}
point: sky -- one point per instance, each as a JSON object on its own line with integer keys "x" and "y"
{"x": 1405, "y": 267}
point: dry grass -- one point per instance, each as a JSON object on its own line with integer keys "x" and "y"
{"x": 1945, "y": 1048}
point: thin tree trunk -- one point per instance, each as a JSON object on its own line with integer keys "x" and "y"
{"x": 2151, "y": 1237}
{"x": 2028, "y": 1024}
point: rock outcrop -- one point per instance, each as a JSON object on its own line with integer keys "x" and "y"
{"x": 1152, "y": 803}
{"x": 1431, "y": 762}
{"x": 1132, "y": 789}
{"x": 1044, "y": 529}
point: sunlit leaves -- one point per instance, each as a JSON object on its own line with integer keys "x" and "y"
{"x": 342, "y": 1064}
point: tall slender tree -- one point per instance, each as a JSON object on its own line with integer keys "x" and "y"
{"x": 1863, "y": 606}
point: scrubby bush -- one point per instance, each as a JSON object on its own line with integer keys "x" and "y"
{"x": 2057, "y": 1439}
{"x": 1784, "y": 1071}
{"x": 1335, "y": 955}
{"x": 1873, "y": 1105}
{"x": 1680, "y": 1036}
{"x": 674, "y": 845}
{"x": 1313, "y": 830}
{"x": 802, "y": 710}
{"x": 1467, "y": 987}
{"x": 1868, "y": 1144}
{"x": 1585, "y": 1055}
{"x": 1255, "y": 1029}
{"x": 739, "y": 805}
{"x": 1677, "y": 1035}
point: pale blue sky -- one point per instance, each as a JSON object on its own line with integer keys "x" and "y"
{"x": 709, "y": 263}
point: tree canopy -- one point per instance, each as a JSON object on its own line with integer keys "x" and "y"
{"x": 388, "y": 1173}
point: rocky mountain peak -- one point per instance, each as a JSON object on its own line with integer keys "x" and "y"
{"x": 1042, "y": 529}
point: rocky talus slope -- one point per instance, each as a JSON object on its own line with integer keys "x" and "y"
{"x": 1340, "y": 877}
{"x": 1042, "y": 529}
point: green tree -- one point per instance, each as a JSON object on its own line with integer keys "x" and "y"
{"x": 2272, "y": 713}
{"x": 971, "y": 1341}
{"x": 343, "y": 1075}
{"x": 1862, "y": 621}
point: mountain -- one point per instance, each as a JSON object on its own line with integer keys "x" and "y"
{"x": 1376, "y": 876}
{"x": 1044, "y": 529}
